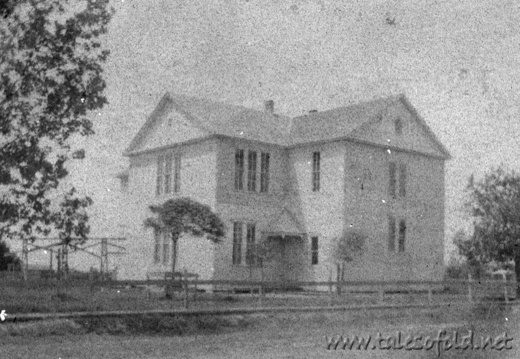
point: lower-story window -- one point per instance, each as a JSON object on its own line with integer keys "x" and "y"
{"x": 314, "y": 250}
{"x": 237, "y": 242}
{"x": 157, "y": 247}
{"x": 244, "y": 244}
{"x": 396, "y": 234}
{"x": 162, "y": 245}
{"x": 251, "y": 257}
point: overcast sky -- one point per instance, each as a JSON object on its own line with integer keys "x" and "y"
{"x": 457, "y": 62}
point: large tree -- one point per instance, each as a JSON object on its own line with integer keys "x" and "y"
{"x": 181, "y": 216}
{"x": 50, "y": 81}
{"x": 494, "y": 203}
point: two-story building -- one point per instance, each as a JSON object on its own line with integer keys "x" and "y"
{"x": 298, "y": 183}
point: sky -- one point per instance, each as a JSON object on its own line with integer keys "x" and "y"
{"x": 456, "y": 61}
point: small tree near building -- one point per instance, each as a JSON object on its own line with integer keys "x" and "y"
{"x": 259, "y": 253}
{"x": 345, "y": 249}
{"x": 185, "y": 216}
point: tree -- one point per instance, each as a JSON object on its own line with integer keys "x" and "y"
{"x": 257, "y": 254}
{"x": 185, "y": 216}
{"x": 494, "y": 204}
{"x": 346, "y": 249}
{"x": 7, "y": 258}
{"x": 50, "y": 81}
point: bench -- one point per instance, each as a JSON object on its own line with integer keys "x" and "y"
{"x": 176, "y": 281}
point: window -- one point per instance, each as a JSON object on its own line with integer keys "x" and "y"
{"x": 251, "y": 171}
{"x": 394, "y": 232}
{"x": 264, "y": 172}
{"x": 162, "y": 244}
{"x": 160, "y": 173}
{"x": 402, "y": 180}
{"x": 315, "y": 171}
{"x": 392, "y": 183}
{"x": 168, "y": 174}
{"x": 391, "y": 234}
{"x": 177, "y": 175}
{"x": 239, "y": 169}
{"x": 157, "y": 247}
{"x": 397, "y": 180}
{"x": 314, "y": 250}
{"x": 237, "y": 242}
{"x": 166, "y": 248}
{"x": 250, "y": 245}
{"x": 166, "y": 167}
{"x": 402, "y": 235}
{"x": 398, "y": 126}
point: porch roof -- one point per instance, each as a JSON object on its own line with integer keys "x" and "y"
{"x": 285, "y": 223}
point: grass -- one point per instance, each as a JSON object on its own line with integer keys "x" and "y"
{"x": 260, "y": 335}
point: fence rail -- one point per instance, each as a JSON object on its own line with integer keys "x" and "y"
{"x": 237, "y": 293}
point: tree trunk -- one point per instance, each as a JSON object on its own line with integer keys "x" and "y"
{"x": 338, "y": 278}
{"x": 517, "y": 272}
{"x": 169, "y": 287}
{"x": 174, "y": 252}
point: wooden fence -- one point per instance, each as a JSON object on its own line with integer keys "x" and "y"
{"x": 190, "y": 289}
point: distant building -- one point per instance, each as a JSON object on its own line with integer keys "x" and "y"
{"x": 297, "y": 182}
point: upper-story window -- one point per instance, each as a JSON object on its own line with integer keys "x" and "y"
{"x": 168, "y": 174}
{"x": 251, "y": 171}
{"x": 264, "y": 172}
{"x": 398, "y": 126}
{"x": 316, "y": 171}
{"x": 397, "y": 179}
{"x": 239, "y": 169}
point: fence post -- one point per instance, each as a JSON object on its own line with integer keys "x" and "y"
{"x": 330, "y": 292}
{"x": 196, "y": 289}
{"x": 185, "y": 281}
{"x": 381, "y": 295}
{"x": 506, "y": 296}
{"x": 470, "y": 289}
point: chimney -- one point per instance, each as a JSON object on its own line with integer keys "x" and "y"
{"x": 269, "y": 106}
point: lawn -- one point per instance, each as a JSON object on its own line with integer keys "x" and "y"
{"x": 283, "y": 336}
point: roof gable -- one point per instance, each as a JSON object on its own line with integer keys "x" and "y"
{"x": 180, "y": 118}
{"x": 371, "y": 122}
{"x": 413, "y": 133}
{"x": 166, "y": 126}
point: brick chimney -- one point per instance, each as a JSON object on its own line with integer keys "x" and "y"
{"x": 269, "y": 106}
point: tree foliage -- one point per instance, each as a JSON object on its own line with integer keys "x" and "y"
{"x": 185, "y": 216}
{"x": 494, "y": 204}
{"x": 346, "y": 249}
{"x": 50, "y": 81}
{"x": 348, "y": 246}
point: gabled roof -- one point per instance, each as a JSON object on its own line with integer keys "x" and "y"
{"x": 336, "y": 123}
{"x": 214, "y": 118}
{"x": 285, "y": 223}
